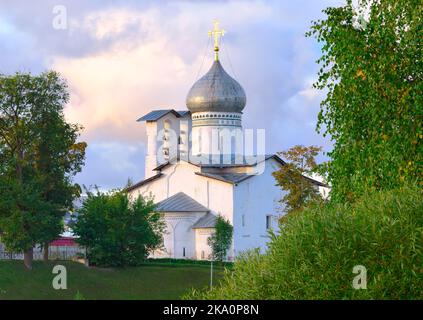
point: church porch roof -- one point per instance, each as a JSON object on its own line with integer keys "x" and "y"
{"x": 233, "y": 178}
{"x": 141, "y": 183}
{"x": 208, "y": 221}
{"x": 180, "y": 202}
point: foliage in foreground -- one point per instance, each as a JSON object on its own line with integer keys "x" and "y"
{"x": 315, "y": 253}
{"x": 371, "y": 68}
{"x": 117, "y": 231}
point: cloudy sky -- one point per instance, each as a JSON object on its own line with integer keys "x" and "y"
{"x": 123, "y": 59}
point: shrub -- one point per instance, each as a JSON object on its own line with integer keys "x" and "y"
{"x": 314, "y": 255}
{"x": 221, "y": 239}
{"x": 117, "y": 231}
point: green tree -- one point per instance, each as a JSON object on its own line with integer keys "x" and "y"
{"x": 39, "y": 155}
{"x": 371, "y": 68}
{"x": 221, "y": 239}
{"x": 58, "y": 158}
{"x": 292, "y": 178}
{"x": 116, "y": 230}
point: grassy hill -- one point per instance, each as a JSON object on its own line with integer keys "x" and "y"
{"x": 143, "y": 282}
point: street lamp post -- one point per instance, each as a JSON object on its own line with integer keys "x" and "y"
{"x": 211, "y": 273}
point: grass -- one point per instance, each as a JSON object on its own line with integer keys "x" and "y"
{"x": 145, "y": 282}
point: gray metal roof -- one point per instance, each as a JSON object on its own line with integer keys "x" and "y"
{"x": 216, "y": 91}
{"x": 157, "y": 114}
{"x": 233, "y": 178}
{"x": 208, "y": 221}
{"x": 180, "y": 202}
{"x": 183, "y": 113}
{"x": 246, "y": 161}
{"x": 139, "y": 184}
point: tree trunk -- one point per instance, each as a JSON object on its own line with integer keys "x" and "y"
{"x": 29, "y": 254}
{"x": 45, "y": 252}
{"x": 28, "y": 257}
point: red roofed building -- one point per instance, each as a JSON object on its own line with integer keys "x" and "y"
{"x": 64, "y": 242}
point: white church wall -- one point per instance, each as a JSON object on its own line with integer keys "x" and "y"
{"x": 203, "y": 250}
{"x": 151, "y": 155}
{"x": 185, "y": 127}
{"x": 179, "y": 239}
{"x": 216, "y": 140}
{"x": 163, "y": 134}
{"x": 256, "y": 198}
{"x": 213, "y": 194}
{"x": 220, "y": 197}
{"x": 184, "y": 241}
{"x": 172, "y": 181}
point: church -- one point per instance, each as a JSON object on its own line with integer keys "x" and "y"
{"x": 200, "y": 163}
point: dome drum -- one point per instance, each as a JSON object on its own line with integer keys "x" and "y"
{"x": 216, "y": 119}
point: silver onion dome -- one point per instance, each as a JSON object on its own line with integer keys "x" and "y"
{"x": 216, "y": 91}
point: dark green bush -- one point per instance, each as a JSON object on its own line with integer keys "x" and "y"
{"x": 315, "y": 253}
{"x": 118, "y": 231}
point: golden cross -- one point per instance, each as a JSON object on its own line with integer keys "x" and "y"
{"x": 216, "y": 33}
